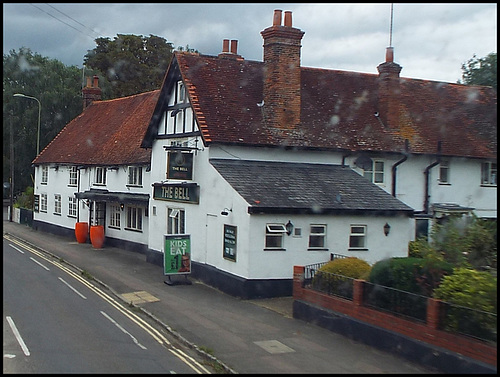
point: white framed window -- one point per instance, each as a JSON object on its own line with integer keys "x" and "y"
{"x": 100, "y": 176}
{"x": 72, "y": 206}
{"x": 444, "y": 172}
{"x": 375, "y": 173}
{"x": 43, "y": 202}
{"x": 45, "y": 175}
{"x": 73, "y": 176}
{"x": 357, "y": 237}
{"x": 134, "y": 176}
{"x": 180, "y": 93}
{"x": 57, "y": 204}
{"x": 176, "y": 221}
{"x": 134, "y": 218}
{"x": 114, "y": 216}
{"x": 274, "y": 236}
{"x": 489, "y": 173}
{"x": 317, "y": 236}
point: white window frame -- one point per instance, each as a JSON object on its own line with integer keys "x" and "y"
{"x": 43, "y": 202}
{"x": 489, "y": 173}
{"x": 444, "y": 172}
{"x": 134, "y": 218}
{"x": 176, "y": 220}
{"x": 57, "y": 204}
{"x": 375, "y": 174}
{"x": 72, "y": 206}
{"x": 355, "y": 234}
{"x": 114, "y": 216}
{"x": 315, "y": 234}
{"x": 134, "y": 176}
{"x": 73, "y": 176}
{"x": 274, "y": 236}
{"x": 45, "y": 175}
{"x": 100, "y": 175}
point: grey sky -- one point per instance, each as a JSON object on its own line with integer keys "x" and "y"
{"x": 431, "y": 41}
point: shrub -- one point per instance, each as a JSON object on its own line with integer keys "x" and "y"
{"x": 351, "y": 267}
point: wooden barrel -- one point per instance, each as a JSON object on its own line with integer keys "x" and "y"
{"x": 81, "y": 232}
{"x": 97, "y": 236}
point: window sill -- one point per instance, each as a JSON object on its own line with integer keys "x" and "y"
{"x": 317, "y": 249}
{"x": 57, "y": 214}
{"x": 134, "y": 230}
{"x": 115, "y": 227}
{"x": 274, "y": 249}
{"x": 70, "y": 185}
{"x": 485, "y": 185}
{"x": 72, "y": 216}
{"x": 131, "y": 185}
{"x": 444, "y": 184}
{"x": 357, "y": 249}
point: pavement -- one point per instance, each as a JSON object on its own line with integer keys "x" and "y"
{"x": 243, "y": 336}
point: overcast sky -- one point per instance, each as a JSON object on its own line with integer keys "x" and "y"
{"x": 431, "y": 41}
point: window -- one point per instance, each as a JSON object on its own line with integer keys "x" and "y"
{"x": 176, "y": 221}
{"x": 100, "y": 176}
{"x": 72, "y": 204}
{"x": 317, "y": 236}
{"x": 357, "y": 238}
{"x": 134, "y": 218}
{"x": 43, "y": 203}
{"x": 444, "y": 172}
{"x": 180, "y": 92}
{"x": 57, "y": 204}
{"x": 114, "y": 217}
{"x": 375, "y": 173}
{"x": 134, "y": 176}
{"x": 73, "y": 176}
{"x": 274, "y": 236}
{"x": 45, "y": 175}
{"x": 489, "y": 173}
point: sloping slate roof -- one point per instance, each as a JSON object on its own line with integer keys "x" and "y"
{"x": 285, "y": 187}
{"x": 337, "y": 110}
{"x": 105, "y": 133}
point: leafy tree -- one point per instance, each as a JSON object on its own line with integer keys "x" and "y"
{"x": 56, "y": 86}
{"x": 131, "y": 63}
{"x": 480, "y": 71}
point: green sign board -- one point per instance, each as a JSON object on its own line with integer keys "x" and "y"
{"x": 186, "y": 193}
{"x": 177, "y": 254}
{"x": 229, "y": 251}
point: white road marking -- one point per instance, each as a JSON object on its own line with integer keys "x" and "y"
{"x": 22, "y": 252}
{"x": 74, "y": 290}
{"x": 18, "y": 336}
{"x": 37, "y": 262}
{"x": 125, "y": 331}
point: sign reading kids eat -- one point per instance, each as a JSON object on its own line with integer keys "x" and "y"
{"x": 177, "y": 254}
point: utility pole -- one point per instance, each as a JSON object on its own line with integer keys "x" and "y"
{"x": 11, "y": 169}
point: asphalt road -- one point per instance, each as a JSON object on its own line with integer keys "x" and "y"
{"x": 56, "y": 321}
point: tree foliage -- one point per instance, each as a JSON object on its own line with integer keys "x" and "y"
{"x": 56, "y": 86}
{"x": 480, "y": 71}
{"x": 131, "y": 63}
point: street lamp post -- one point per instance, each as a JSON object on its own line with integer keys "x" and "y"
{"x": 39, "y": 113}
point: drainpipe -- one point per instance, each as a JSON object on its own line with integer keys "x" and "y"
{"x": 427, "y": 173}
{"x": 395, "y": 166}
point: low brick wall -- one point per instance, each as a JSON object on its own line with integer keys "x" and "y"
{"x": 427, "y": 332}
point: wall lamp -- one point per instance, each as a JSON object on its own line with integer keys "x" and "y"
{"x": 226, "y": 211}
{"x": 122, "y": 206}
{"x": 289, "y": 227}
{"x": 387, "y": 229}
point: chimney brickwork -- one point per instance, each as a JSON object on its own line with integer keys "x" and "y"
{"x": 91, "y": 92}
{"x": 282, "y": 81}
{"x": 389, "y": 90}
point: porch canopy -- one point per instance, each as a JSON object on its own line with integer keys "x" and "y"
{"x": 99, "y": 195}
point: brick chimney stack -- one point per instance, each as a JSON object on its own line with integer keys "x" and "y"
{"x": 389, "y": 90}
{"x": 282, "y": 45}
{"x": 91, "y": 92}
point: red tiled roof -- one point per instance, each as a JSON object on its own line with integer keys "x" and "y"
{"x": 337, "y": 110}
{"x": 105, "y": 133}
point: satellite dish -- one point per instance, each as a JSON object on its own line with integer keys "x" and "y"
{"x": 364, "y": 162}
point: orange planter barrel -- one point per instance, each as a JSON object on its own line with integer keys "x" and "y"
{"x": 97, "y": 236}
{"x": 81, "y": 232}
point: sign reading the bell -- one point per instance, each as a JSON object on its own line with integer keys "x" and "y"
{"x": 187, "y": 193}
{"x": 177, "y": 254}
{"x": 180, "y": 165}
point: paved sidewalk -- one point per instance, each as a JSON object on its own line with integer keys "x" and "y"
{"x": 247, "y": 336}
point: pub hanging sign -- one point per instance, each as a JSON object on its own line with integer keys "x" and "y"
{"x": 186, "y": 193}
{"x": 180, "y": 165}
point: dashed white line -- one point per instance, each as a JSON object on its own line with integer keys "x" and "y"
{"x": 37, "y": 262}
{"x": 22, "y": 252}
{"x": 18, "y": 336}
{"x": 73, "y": 289}
{"x": 125, "y": 331}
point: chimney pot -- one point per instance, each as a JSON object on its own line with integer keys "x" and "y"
{"x": 89, "y": 82}
{"x": 389, "y": 54}
{"x": 277, "y": 18}
{"x": 234, "y": 46}
{"x": 96, "y": 81}
{"x": 225, "y": 45}
{"x": 288, "y": 18}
